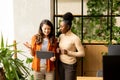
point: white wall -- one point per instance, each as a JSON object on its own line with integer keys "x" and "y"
{"x": 6, "y": 20}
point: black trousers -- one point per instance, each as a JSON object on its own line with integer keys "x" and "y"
{"x": 67, "y": 71}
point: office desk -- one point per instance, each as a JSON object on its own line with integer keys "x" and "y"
{"x": 89, "y": 78}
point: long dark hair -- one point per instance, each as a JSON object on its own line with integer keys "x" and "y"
{"x": 40, "y": 35}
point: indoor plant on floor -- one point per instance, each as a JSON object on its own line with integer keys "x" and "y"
{"x": 14, "y": 69}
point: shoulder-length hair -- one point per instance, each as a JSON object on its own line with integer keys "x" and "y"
{"x": 40, "y": 35}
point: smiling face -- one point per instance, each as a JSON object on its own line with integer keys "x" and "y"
{"x": 64, "y": 27}
{"x": 46, "y": 29}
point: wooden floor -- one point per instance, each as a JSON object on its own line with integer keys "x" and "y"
{"x": 89, "y": 78}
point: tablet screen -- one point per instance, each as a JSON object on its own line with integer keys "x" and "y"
{"x": 44, "y": 54}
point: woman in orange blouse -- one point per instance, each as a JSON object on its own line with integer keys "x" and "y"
{"x": 44, "y": 40}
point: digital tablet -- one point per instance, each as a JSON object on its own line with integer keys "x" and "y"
{"x": 44, "y": 54}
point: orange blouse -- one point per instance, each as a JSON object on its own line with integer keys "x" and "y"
{"x": 36, "y": 62}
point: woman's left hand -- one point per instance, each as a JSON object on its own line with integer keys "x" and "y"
{"x": 64, "y": 51}
{"x": 53, "y": 58}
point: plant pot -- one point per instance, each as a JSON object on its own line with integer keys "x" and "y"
{"x": 2, "y": 74}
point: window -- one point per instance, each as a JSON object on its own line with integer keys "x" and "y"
{"x": 94, "y": 22}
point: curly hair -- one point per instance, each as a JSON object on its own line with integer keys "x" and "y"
{"x": 67, "y": 18}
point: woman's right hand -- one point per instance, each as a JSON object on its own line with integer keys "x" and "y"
{"x": 27, "y": 45}
{"x": 63, "y": 51}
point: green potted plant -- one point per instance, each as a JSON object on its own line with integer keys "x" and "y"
{"x": 13, "y": 68}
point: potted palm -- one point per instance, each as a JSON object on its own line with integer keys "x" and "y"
{"x": 12, "y": 68}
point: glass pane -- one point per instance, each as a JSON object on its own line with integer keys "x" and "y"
{"x": 76, "y": 26}
{"x": 57, "y": 24}
{"x": 73, "y": 6}
{"x": 116, "y": 30}
{"x": 95, "y": 30}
